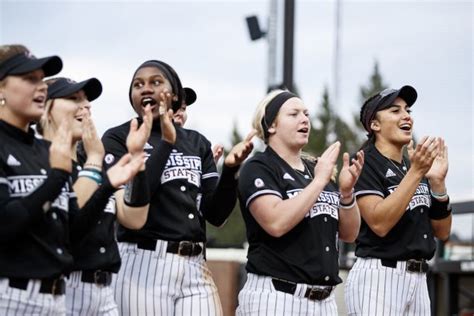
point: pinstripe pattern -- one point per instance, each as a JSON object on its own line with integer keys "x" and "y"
{"x": 88, "y": 299}
{"x": 160, "y": 283}
{"x": 373, "y": 289}
{"x": 259, "y": 297}
{"x": 29, "y": 302}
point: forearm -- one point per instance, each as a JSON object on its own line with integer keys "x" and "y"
{"x": 388, "y": 211}
{"x": 156, "y": 164}
{"x": 84, "y": 188}
{"x": 129, "y": 216}
{"x": 349, "y": 223}
{"x": 442, "y": 228}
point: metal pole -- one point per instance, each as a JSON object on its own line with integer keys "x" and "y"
{"x": 337, "y": 54}
{"x": 272, "y": 43}
{"x": 289, "y": 26}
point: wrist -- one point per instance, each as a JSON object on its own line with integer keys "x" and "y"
{"x": 93, "y": 164}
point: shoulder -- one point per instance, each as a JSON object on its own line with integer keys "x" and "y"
{"x": 117, "y": 132}
{"x": 192, "y": 135}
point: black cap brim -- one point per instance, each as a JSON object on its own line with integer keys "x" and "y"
{"x": 407, "y": 93}
{"x": 51, "y": 66}
{"x": 189, "y": 96}
{"x": 63, "y": 88}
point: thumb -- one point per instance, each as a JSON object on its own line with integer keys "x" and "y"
{"x": 133, "y": 125}
{"x": 345, "y": 160}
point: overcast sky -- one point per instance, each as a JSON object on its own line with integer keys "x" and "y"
{"x": 426, "y": 44}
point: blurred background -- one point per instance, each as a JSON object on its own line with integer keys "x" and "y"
{"x": 334, "y": 54}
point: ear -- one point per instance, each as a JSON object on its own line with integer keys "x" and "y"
{"x": 175, "y": 97}
{"x": 271, "y": 129}
{"x": 375, "y": 126}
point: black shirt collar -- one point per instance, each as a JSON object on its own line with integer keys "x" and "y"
{"x": 17, "y": 133}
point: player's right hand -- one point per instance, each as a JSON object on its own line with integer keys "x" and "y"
{"x": 125, "y": 169}
{"x": 323, "y": 170}
{"x": 92, "y": 144}
{"x": 168, "y": 132}
{"x": 60, "y": 149}
{"x": 137, "y": 137}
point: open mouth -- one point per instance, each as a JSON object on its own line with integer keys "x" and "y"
{"x": 78, "y": 118}
{"x": 405, "y": 127}
{"x": 148, "y": 101}
{"x": 303, "y": 130}
{"x": 40, "y": 99}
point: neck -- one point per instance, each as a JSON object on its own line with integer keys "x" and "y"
{"x": 292, "y": 156}
{"x": 10, "y": 118}
{"x": 390, "y": 150}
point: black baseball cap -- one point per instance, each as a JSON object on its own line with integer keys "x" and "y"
{"x": 63, "y": 87}
{"x": 189, "y": 96}
{"x": 26, "y": 62}
{"x": 383, "y": 100}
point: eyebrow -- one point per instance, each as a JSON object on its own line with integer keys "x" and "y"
{"x": 151, "y": 77}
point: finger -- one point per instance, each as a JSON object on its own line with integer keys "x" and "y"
{"x": 250, "y": 135}
{"x": 134, "y": 124}
{"x": 345, "y": 160}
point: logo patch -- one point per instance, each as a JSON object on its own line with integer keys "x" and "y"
{"x": 109, "y": 158}
{"x": 147, "y": 146}
{"x": 12, "y": 161}
{"x": 390, "y": 173}
{"x": 288, "y": 177}
{"x": 258, "y": 183}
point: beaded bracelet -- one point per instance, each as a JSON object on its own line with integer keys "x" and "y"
{"x": 91, "y": 174}
{"x": 350, "y": 205}
{"x": 439, "y": 196}
{"x": 93, "y": 165}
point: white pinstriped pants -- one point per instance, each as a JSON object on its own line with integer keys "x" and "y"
{"x": 373, "y": 289}
{"x": 161, "y": 283}
{"x": 15, "y": 301}
{"x": 259, "y": 297}
{"x": 87, "y": 299}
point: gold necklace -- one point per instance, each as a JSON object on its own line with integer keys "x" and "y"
{"x": 405, "y": 169}
{"x": 303, "y": 173}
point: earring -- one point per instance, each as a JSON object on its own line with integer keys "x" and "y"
{"x": 3, "y": 101}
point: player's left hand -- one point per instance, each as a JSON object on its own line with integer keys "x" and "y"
{"x": 350, "y": 173}
{"x": 217, "y": 151}
{"x": 439, "y": 168}
{"x": 137, "y": 137}
{"x": 125, "y": 169}
{"x": 241, "y": 151}
{"x": 168, "y": 132}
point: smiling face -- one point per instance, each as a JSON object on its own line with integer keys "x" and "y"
{"x": 292, "y": 125}
{"x": 147, "y": 85}
{"x": 394, "y": 124}
{"x": 70, "y": 109}
{"x": 25, "y": 97}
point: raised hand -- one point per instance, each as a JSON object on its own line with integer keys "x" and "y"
{"x": 125, "y": 169}
{"x": 137, "y": 137}
{"x": 350, "y": 173}
{"x": 423, "y": 155}
{"x": 324, "y": 167}
{"x": 240, "y": 151}
{"x": 92, "y": 144}
{"x": 217, "y": 151}
{"x": 60, "y": 151}
{"x": 168, "y": 132}
{"x": 439, "y": 168}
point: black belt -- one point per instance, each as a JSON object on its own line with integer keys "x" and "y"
{"x": 182, "y": 248}
{"x": 412, "y": 265}
{"x": 97, "y": 277}
{"x": 48, "y": 286}
{"x": 314, "y": 294}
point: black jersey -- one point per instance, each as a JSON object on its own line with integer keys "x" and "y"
{"x": 188, "y": 178}
{"x": 412, "y": 237}
{"x": 35, "y": 205}
{"x": 93, "y": 241}
{"x": 309, "y": 252}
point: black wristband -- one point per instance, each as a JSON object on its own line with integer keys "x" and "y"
{"x": 137, "y": 192}
{"x": 439, "y": 209}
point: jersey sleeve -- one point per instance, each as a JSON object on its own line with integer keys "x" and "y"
{"x": 17, "y": 214}
{"x": 257, "y": 179}
{"x": 369, "y": 182}
{"x": 115, "y": 147}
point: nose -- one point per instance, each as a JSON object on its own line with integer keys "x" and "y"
{"x": 147, "y": 89}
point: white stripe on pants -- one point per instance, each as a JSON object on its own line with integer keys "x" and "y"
{"x": 15, "y": 301}
{"x": 373, "y": 289}
{"x": 259, "y": 297}
{"x": 161, "y": 283}
{"x": 84, "y": 298}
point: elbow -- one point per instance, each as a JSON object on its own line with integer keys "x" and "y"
{"x": 443, "y": 236}
{"x": 134, "y": 225}
{"x": 380, "y": 230}
{"x": 275, "y": 230}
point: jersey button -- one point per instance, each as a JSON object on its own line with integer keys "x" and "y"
{"x": 46, "y": 206}
{"x": 54, "y": 215}
{"x": 327, "y": 249}
{"x": 59, "y": 251}
{"x": 421, "y": 211}
{"x": 79, "y": 168}
{"x": 326, "y": 278}
{"x": 183, "y": 188}
{"x": 425, "y": 236}
{"x": 325, "y": 219}
{"x": 102, "y": 250}
{"x": 190, "y": 215}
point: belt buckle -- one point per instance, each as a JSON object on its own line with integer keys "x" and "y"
{"x": 54, "y": 287}
{"x": 415, "y": 265}
{"x": 315, "y": 294}
{"x": 182, "y": 245}
{"x": 97, "y": 275}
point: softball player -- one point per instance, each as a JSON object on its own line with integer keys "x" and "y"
{"x": 164, "y": 270}
{"x": 404, "y": 205}
{"x": 294, "y": 215}
{"x": 35, "y": 192}
{"x": 93, "y": 244}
